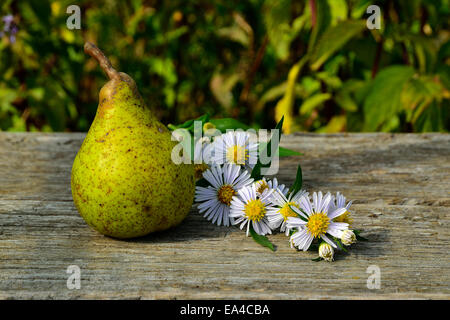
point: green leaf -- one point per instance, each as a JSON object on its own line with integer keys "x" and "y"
{"x": 359, "y": 8}
{"x": 338, "y": 10}
{"x": 384, "y": 99}
{"x": 430, "y": 120}
{"x": 333, "y": 39}
{"x": 262, "y": 240}
{"x": 346, "y": 96}
{"x": 297, "y": 186}
{"x": 277, "y": 16}
{"x": 284, "y": 152}
{"x": 340, "y": 245}
{"x": 7, "y": 96}
{"x": 312, "y": 102}
{"x": 328, "y": 77}
{"x": 317, "y": 259}
{"x": 323, "y": 20}
{"x": 278, "y": 91}
{"x": 185, "y": 125}
{"x": 424, "y": 48}
{"x": 228, "y": 123}
{"x": 272, "y": 94}
{"x": 418, "y": 93}
{"x": 256, "y": 172}
{"x": 279, "y": 127}
{"x": 346, "y": 102}
{"x": 336, "y": 124}
{"x": 358, "y": 236}
{"x": 189, "y": 124}
{"x": 285, "y": 105}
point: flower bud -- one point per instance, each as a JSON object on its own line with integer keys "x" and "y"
{"x": 348, "y": 237}
{"x": 326, "y": 251}
{"x": 208, "y": 126}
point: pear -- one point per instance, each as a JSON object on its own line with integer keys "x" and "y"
{"x": 124, "y": 182}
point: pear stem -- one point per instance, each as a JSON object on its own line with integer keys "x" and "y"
{"x": 92, "y": 50}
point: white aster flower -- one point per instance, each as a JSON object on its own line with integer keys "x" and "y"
{"x": 249, "y": 208}
{"x": 235, "y": 147}
{"x": 279, "y": 214}
{"x": 316, "y": 222}
{"x": 264, "y": 186}
{"x": 326, "y": 252}
{"x": 348, "y": 237}
{"x": 216, "y": 199}
{"x": 339, "y": 202}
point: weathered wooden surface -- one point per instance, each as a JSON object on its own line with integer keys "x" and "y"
{"x": 400, "y": 185}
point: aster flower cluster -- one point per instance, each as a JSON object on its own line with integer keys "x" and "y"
{"x": 231, "y": 196}
{"x": 232, "y": 191}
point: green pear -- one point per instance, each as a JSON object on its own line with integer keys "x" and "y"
{"x": 124, "y": 182}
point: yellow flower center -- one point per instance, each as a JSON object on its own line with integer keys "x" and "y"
{"x": 345, "y": 217}
{"x": 318, "y": 224}
{"x": 237, "y": 155}
{"x": 199, "y": 169}
{"x": 262, "y": 185}
{"x": 255, "y": 210}
{"x": 286, "y": 211}
{"x": 225, "y": 194}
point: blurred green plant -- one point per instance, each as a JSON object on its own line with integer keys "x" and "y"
{"x": 313, "y": 61}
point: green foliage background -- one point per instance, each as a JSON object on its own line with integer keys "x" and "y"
{"x": 314, "y": 61}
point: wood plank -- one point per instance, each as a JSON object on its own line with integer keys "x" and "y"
{"x": 400, "y": 185}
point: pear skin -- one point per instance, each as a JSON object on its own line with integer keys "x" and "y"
{"x": 124, "y": 182}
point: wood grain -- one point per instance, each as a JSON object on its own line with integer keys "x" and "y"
{"x": 399, "y": 183}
